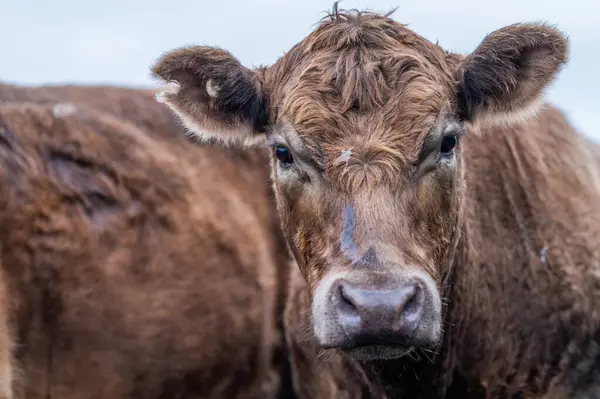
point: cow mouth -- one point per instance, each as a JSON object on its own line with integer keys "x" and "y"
{"x": 378, "y": 352}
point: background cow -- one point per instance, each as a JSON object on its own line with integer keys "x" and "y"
{"x": 449, "y": 238}
{"x": 134, "y": 265}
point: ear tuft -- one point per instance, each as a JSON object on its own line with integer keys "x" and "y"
{"x": 214, "y": 95}
{"x": 212, "y": 88}
{"x": 503, "y": 79}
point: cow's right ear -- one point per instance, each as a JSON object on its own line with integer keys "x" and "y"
{"x": 214, "y": 95}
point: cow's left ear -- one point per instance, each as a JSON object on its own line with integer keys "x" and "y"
{"x": 214, "y": 95}
{"x": 503, "y": 79}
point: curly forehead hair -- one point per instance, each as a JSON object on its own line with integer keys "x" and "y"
{"x": 361, "y": 75}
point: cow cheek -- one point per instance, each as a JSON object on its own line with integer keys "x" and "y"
{"x": 303, "y": 220}
{"x": 435, "y": 216}
{"x": 287, "y": 199}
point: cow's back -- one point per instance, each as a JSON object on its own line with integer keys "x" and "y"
{"x": 134, "y": 105}
{"x": 137, "y": 265}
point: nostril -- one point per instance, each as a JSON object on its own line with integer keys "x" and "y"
{"x": 345, "y": 301}
{"x": 413, "y": 306}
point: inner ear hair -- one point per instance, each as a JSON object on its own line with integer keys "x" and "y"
{"x": 214, "y": 95}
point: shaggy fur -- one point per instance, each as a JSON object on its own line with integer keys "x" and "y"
{"x": 508, "y": 226}
{"x": 134, "y": 265}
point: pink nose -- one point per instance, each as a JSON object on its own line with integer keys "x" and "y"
{"x": 378, "y": 317}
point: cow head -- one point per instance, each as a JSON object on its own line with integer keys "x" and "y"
{"x": 365, "y": 120}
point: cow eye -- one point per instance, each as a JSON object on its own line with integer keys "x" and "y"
{"x": 448, "y": 144}
{"x": 283, "y": 155}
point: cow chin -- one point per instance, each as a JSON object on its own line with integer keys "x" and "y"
{"x": 377, "y": 316}
{"x": 378, "y": 352}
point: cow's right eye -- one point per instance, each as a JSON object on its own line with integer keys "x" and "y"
{"x": 283, "y": 155}
{"x": 448, "y": 144}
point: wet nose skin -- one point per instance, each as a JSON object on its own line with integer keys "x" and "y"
{"x": 378, "y": 317}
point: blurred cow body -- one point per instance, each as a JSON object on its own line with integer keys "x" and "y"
{"x": 134, "y": 265}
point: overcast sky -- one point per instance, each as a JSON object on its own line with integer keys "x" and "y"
{"x": 115, "y": 41}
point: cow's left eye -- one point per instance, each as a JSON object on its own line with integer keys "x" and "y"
{"x": 448, "y": 144}
{"x": 283, "y": 155}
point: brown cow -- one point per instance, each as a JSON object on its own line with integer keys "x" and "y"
{"x": 133, "y": 264}
{"x": 449, "y": 236}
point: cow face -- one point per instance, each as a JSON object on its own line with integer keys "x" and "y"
{"x": 364, "y": 119}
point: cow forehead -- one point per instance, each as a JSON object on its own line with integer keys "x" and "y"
{"x": 363, "y": 145}
{"x": 361, "y": 92}
{"x": 356, "y": 61}
{"x": 364, "y": 81}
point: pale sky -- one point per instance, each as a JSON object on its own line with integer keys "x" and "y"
{"x": 116, "y": 41}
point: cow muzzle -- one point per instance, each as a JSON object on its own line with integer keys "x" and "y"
{"x": 377, "y": 315}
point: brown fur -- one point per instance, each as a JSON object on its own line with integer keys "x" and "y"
{"x": 503, "y": 231}
{"x": 134, "y": 265}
